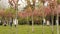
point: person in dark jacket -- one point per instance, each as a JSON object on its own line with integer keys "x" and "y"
{"x": 10, "y": 21}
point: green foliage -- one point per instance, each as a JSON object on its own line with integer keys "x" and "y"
{"x": 58, "y": 1}
{"x": 22, "y": 21}
{"x": 0, "y": 7}
{"x": 11, "y": 11}
{"x": 29, "y": 20}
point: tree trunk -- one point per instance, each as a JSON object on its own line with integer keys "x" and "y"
{"x": 28, "y": 25}
{"x": 57, "y": 22}
{"x": 32, "y": 22}
{"x": 52, "y": 26}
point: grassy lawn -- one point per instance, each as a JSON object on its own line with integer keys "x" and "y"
{"x": 26, "y": 29}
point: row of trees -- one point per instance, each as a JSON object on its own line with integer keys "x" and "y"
{"x": 43, "y": 10}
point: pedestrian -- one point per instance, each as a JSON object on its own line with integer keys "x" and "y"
{"x": 10, "y": 21}
{"x": 15, "y": 21}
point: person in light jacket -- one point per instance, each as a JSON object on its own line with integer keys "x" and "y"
{"x": 15, "y": 21}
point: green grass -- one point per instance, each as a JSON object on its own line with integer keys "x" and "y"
{"x": 26, "y": 29}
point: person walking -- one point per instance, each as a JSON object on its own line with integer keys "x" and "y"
{"x": 10, "y": 21}
{"x": 15, "y": 21}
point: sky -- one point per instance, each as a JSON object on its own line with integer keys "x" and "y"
{"x": 5, "y": 4}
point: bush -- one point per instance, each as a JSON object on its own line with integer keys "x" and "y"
{"x": 22, "y": 21}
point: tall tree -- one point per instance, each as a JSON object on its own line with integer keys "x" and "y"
{"x": 32, "y": 6}
{"x": 52, "y": 7}
{"x": 43, "y": 17}
{"x": 14, "y": 5}
{"x": 57, "y": 18}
